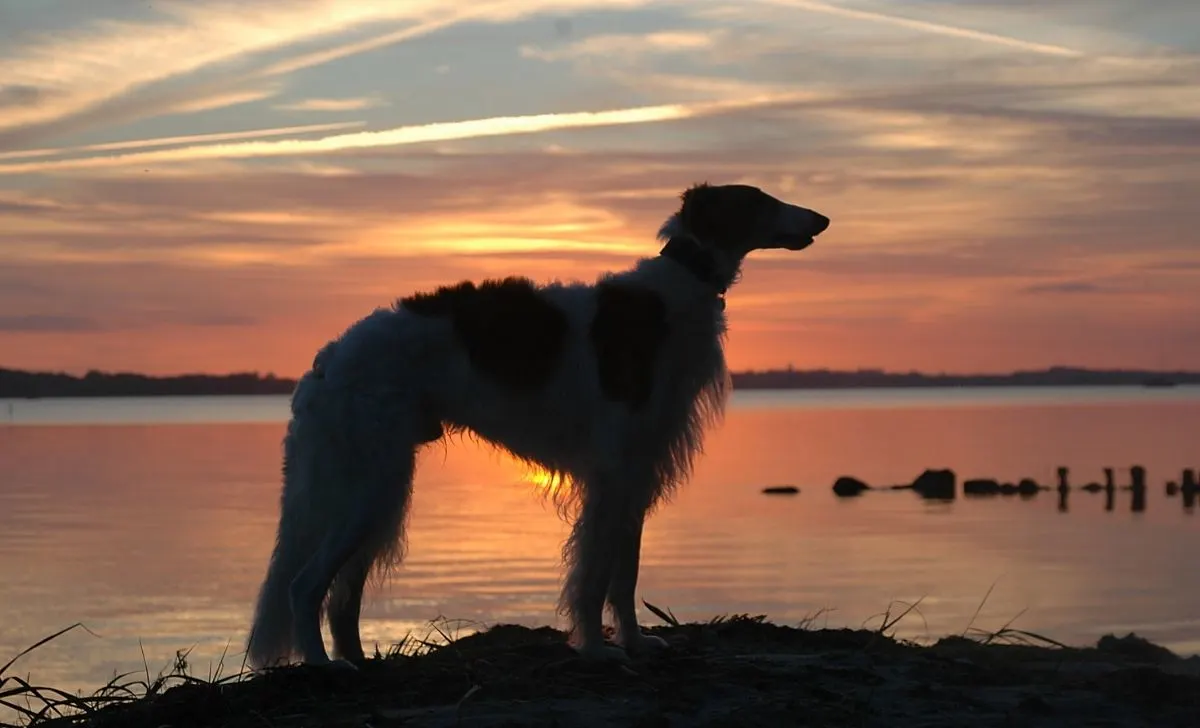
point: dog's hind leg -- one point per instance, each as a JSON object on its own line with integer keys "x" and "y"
{"x": 345, "y": 607}
{"x": 383, "y": 551}
{"x": 365, "y": 531}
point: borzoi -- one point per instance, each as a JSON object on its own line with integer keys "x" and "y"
{"x": 608, "y": 386}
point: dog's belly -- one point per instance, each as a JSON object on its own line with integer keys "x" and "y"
{"x": 549, "y": 430}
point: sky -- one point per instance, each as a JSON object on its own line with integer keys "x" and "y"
{"x": 224, "y": 186}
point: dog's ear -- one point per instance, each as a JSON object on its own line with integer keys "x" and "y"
{"x": 700, "y": 213}
{"x": 727, "y": 216}
{"x": 691, "y": 192}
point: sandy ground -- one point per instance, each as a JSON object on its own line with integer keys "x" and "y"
{"x": 737, "y": 672}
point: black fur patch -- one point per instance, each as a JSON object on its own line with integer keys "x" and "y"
{"x": 627, "y": 333}
{"x": 511, "y": 332}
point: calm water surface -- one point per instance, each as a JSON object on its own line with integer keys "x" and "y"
{"x": 151, "y": 521}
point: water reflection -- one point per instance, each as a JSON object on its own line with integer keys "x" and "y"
{"x": 161, "y": 533}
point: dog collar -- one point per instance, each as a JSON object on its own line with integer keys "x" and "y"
{"x": 700, "y": 262}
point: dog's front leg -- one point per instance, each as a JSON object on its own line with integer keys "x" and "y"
{"x": 622, "y": 586}
{"x": 590, "y": 556}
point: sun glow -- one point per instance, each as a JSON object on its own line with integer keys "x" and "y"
{"x": 544, "y": 481}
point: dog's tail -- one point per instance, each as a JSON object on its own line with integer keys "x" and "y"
{"x": 271, "y": 638}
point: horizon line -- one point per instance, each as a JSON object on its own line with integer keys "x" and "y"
{"x": 777, "y": 369}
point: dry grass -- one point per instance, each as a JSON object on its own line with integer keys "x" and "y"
{"x": 39, "y": 704}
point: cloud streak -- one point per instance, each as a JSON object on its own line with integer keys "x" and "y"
{"x": 183, "y": 139}
{"x": 45, "y": 323}
{"x": 1064, "y": 287}
{"x": 88, "y": 65}
{"x": 86, "y": 77}
{"x": 415, "y": 134}
{"x": 925, "y": 26}
{"x": 345, "y": 50}
{"x": 83, "y": 76}
{"x": 347, "y": 104}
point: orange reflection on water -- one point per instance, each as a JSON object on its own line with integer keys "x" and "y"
{"x": 162, "y": 533}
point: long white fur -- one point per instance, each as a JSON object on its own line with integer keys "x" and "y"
{"x": 350, "y": 448}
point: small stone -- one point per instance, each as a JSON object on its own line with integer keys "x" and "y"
{"x": 781, "y": 490}
{"x": 846, "y": 486}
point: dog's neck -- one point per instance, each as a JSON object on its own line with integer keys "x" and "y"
{"x": 708, "y": 266}
{"x": 700, "y": 262}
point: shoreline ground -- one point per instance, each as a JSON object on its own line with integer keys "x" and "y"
{"x": 740, "y": 671}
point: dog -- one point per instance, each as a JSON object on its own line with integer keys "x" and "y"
{"x": 608, "y": 386}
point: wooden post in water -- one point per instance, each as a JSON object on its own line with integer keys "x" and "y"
{"x": 1110, "y": 489}
{"x": 1189, "y": 488}
{"x": 1137, "y": 475}
{"x": 1064, "y": 487}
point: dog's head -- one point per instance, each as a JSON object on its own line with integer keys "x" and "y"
{"x": 737, "y": 219}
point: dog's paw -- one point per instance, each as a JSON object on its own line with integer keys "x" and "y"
{"x": 343, "y": 666}
{"x": 602, "y": 653}
{"x": 645, "y": 644}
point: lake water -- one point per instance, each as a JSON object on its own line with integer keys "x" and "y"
{"x": 151, "y": 520}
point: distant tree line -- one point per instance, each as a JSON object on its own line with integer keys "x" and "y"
{"x": 862, "y": 378}
{"x": 16, "y": 384}
{"x": 24, "y": 384}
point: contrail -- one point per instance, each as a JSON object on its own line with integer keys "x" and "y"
{"x": 415, "y": 134}
{"x": 321, "y": 57}
{"x": 929, "y": 27}
{"x": 186, "y": 139}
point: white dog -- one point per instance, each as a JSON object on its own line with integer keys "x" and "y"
{"x": 608, "y": 386}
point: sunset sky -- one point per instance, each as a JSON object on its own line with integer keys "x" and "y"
{"x": 216, "y": 186}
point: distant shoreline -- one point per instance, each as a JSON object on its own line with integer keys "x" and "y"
{"x": 18, "y": 384}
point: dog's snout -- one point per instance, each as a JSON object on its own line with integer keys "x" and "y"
{"x": 820, "y": 223}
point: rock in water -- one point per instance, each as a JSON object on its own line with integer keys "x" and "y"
{"x": 1029, "y": 486}
{"x": 781, "y": 490}
{"x": 939, "y": 484}
{"x": 846, "y": 486}
{"x": 981, "y": 486}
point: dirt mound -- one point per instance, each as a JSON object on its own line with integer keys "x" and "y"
{"x": 741, "y": 671}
